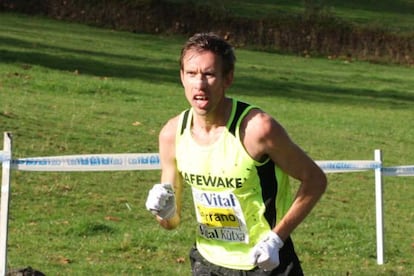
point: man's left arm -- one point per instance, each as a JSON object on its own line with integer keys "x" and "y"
{"x": 296, "y": 163}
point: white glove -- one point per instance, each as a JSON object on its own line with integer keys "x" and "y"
{"x": 161, "y": 201}
{"x": 265, "y": 254}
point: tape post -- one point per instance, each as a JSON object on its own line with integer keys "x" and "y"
{"x": 4, "y": 156}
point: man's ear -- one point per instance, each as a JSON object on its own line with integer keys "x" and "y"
{"x": 229, "y": 78}
{"x": 181, "y": 76}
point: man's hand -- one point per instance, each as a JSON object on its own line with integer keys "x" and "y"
{"x": 161, "y": 201}
{"x": 266, "y": 253}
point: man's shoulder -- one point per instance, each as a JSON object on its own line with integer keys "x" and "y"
{"x": 171, "y": 126}
{"x": 169, "y": 129}
{"x": 260, "y": 123}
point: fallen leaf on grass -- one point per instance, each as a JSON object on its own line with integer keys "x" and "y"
{"x": 65, "y": 188}
{"x": 64, "y": 260}
{"x": 180, "y": 260}
{"x": 112, "y": 218}
{"x": 7, "y": 114}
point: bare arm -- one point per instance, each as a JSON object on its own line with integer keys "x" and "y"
{"x": 169, "y": 172}
{"x": 266, "y": 137}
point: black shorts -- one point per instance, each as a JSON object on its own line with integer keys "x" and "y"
{"x": 289, "y": 265}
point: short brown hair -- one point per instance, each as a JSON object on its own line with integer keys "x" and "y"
{"x": 213, "y": 43}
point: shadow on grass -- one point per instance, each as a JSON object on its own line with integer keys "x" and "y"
{"x": 322, "y": 93}
{"x": 86, "y": 62}
{"x": 89, "y": 62}
{"x": 43, "y": 47}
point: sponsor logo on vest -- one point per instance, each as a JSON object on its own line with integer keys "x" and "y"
{"x": 217, "y": 217}
{"x": 213, "y": 181}
{"x": 217, "y": 200}
{"x": 234, "y": 235}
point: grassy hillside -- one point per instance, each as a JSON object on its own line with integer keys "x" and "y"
{"x": 377, "y": 31}
{"x": 72, "y": 89}
{"x": 397, "y": 16}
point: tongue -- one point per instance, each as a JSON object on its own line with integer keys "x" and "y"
{"x": 201, "y": 102}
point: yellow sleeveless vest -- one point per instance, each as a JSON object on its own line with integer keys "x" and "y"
{"x": 234, "y": 195}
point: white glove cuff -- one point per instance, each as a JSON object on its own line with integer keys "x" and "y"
{"x": 276, "y": 239}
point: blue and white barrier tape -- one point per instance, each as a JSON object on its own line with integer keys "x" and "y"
{"x": 151, "y": 161}
{"x": 398, "y": 171}
{"x": 96, "y": 162}
{"x": 348, "y": 166}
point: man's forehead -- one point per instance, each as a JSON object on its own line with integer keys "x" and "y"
{"x": 193, "y": 57}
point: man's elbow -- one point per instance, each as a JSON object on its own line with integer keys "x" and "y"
{"x": 169, "y": 224}
{"x": 317, "y": 183}
{"x": 322, "y": 182}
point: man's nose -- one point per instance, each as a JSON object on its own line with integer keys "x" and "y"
{"x": 199, "y": 81}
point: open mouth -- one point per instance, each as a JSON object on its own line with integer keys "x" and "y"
{"x": 201, "y": 101}
{"x": 200, "y": 98}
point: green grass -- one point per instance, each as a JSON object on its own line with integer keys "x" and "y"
{"x": 73, "y": 89}
{"x": 396, "y": 16}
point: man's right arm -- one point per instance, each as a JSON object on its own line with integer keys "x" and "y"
{"x": 169, "y": 171}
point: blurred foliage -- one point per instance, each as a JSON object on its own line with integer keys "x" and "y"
{"x": 316, "y": 31}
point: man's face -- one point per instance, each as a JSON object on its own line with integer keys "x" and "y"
{"x": 203, "y": 80}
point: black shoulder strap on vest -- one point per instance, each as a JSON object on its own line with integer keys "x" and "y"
{"x": 184, "y": 121}
{"x": 241, "y": 106}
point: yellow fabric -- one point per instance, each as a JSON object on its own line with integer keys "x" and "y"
{"x": 284, "y": 196}
{"x": 224, "y": 179}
